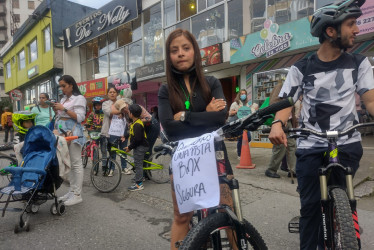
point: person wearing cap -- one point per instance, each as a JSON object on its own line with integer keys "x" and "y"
{"x": 327, "y": 81}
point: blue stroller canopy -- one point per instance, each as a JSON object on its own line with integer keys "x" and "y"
{"x": 39, "y": 138}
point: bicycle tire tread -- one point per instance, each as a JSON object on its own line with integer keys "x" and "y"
{"x": 199, "y": 234}
{"x": 343, "y": 216}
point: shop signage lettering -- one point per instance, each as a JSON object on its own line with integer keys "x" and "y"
{"x": 149, "y": 70}
{"x": 33, "y": 71}
{"x": 108, "y": 17}
{"x": 119, "y": 81}
{"x": 93, "y": 88}
{"x": 211, "y": 55}
{"x": 273, "y": 43}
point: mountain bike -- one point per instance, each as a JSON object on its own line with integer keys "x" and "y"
{"x": 90, "y": 149}
{"x": 156, "y": 168}
{"x": 338, "y": 204}
{"x": 224, "y": 227}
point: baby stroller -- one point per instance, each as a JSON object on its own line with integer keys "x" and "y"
{"x": 36, "y": 179}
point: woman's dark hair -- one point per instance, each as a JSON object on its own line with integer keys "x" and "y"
{"x": 45, "y": 94}
{"x": 70, "y": 80}
{"x": 112, "y": 88}
{"x": 176, "y": 95}
{"x": 135, "y": 110}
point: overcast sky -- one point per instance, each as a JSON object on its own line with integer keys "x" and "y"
{"x": 92, "y": 3}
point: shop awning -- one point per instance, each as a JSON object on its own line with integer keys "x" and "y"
{"x": 288, "y": 61}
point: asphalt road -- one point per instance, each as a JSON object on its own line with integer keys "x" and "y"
{"x": 142, "y": 220}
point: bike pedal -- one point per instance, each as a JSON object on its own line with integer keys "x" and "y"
{"x": 293, "y": 225}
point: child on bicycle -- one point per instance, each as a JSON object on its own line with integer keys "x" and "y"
{"x": 138, "y": 143}
{"x": 95, "y": 122}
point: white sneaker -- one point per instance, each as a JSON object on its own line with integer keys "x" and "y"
{"x": 126, "y": 171}
{"x": 110, "y": 173}
{"x": 66, "y": 197}
{"x": 75, "y": 199}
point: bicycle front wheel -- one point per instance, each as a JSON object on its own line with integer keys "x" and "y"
{"x": 344, "y": 234}
{"x": 159, "y": 175}
{"x": 6, "y": 161}
{"x": 214, "y": 232}
{"x": 84, "y": 154}
{"x": 106, "y": 178}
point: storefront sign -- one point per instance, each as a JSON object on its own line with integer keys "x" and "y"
{"x": 93, "y": 88}
{"x": 33, "y": 71}
{"x": 273, "y": 43}
{"x": 211, "y": 55}
{"x": 366, "y": 22}
{"x": 110, "y": 16}
{"x": 242, "y": 49}
{"x": 149, "y": 70}
{"x": 15, "y": 95}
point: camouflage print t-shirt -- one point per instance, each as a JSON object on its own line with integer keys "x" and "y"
{"x": 328, "y": 94}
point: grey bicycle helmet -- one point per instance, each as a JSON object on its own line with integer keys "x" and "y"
{"x": 333, "y": 15}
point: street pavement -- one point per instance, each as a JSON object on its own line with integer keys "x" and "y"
{"x": 142, "y": 220}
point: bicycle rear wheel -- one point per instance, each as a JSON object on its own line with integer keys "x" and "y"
{"x": 100, "y": 175}
{"x": 84, "y": 154}
{"x": 159, "y": 175}
{"x": 344, "y": 234}
{"x": 6, "y": 161}
{"x": 214, "y": 228}
{"x": 96, "y": 155}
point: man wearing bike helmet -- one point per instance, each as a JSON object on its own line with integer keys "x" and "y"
{"x": 327, "y": 81}
{"x": 22, "y": 121}
{"x": 94, "y": 122}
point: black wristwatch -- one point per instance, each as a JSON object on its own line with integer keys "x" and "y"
{"x": 278, "y": 120}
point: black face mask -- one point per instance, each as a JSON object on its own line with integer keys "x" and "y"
{"x": 174, "y": 70}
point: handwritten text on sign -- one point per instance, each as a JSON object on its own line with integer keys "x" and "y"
{"x": 195, "y": 174}
{"x": 117, "y": 126}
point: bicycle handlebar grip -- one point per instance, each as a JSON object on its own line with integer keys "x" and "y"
{"x": 70, "y": 138}
{"x": 275, "y": 107}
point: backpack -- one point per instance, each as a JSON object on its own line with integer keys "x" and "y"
{"x": 9, "y": 121}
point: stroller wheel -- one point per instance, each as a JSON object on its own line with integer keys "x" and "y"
{"x": 53, "y": 209}
{"x": 32, "y": 208}
{"x": 61, "y": 208}
{"x": 17, "y": 228}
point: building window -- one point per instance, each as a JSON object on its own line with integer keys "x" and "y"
{"x": 235, "y": 16}
{"x": 45, "y": 87}
{"x": 129, "y": 32}
{"x": 47, "y": 39}
{"x": 153, "y": 34}
{"x": 31, "y": 5}
{"x": 21, "y": 60}
{"x": 103, "y": 46}
{"x": 135, "y": 56}
{"x": 208, "y": 27}
{"x": 101, "y": 67}
{"x": 170, "y": 15}
{"x": 117, "y": 61}
{"x": 15, "y": 4}
{"x": 33, "y": 51}
{"x": 8, "y": 70}
{"x": 16, "y": 18}
{"x": 112, "y": 40}
{"x": 187, "y": 8}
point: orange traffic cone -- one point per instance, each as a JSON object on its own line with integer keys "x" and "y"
{"x": 245, "y": 158}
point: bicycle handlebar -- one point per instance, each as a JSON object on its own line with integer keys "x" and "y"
{"x": 327, "y": 134}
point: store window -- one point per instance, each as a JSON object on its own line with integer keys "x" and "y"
{"x": 21, "y": 60}
{"x": 28, "y": 96}
{"x": 31, "y": 5}
{"x": 33, "y": 51}
{"x": 8, "y": 70}
{"x": 117, "y": 61}
{"x": 47, "y": 39}
{"x": 87, "y": 71}
{"x": 101, "y": 68}
{"x": 153, "y": 35}
{"x": 208, "y": 27}
{"x": 45, "y": 87}
{"x": 170, "y": 15}
{"x": 187, "y": 8}
{"x": 15, "y": 4}
{"x": 135, "y": 56}
{"x": 129, "y": 32}
{"x": 112, "y": 40}
{"x": 103, "y": 46}
{"x": 16, "y": 18}
{"x": 235, "y": 16}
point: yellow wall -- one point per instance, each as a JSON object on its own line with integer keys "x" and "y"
{"x": 44, "y": 60}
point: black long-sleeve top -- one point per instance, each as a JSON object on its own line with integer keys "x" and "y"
{"x": 197, "y": 120}
{"x": 138, "y": 139}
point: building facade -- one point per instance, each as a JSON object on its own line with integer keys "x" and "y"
{"x": 33, "y": 59}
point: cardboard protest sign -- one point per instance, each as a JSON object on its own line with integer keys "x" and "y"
{"x": 117, "y": 126}
{"x": 195, "y": 174}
